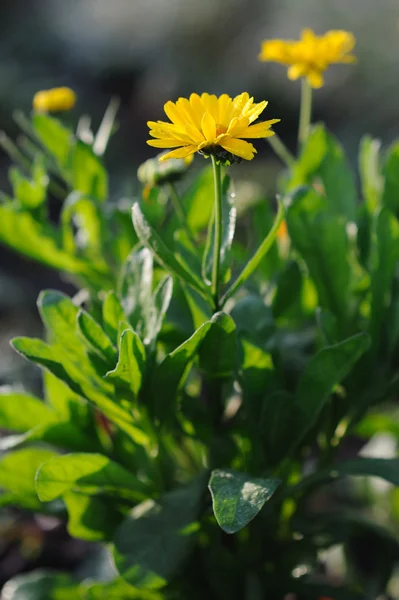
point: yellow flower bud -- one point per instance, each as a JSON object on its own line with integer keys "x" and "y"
{"x": 54, "y": 100}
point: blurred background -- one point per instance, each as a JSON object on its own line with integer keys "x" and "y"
{"x": 146, "y": 52}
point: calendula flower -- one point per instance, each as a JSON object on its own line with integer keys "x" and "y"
{"x": 310, "y": 56}
{"x": 211, "y": 125}
{"x": 54, "y": 100}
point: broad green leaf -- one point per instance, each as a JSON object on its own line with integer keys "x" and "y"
{"x": 96, "y": 337}
{"x": 59, "y": 314}
{"x": 324, "y": 370}
{"x": 162, "y": 298}
{"x": 390, "y": 171}
{"x": 200, "y": 309}
{"x": 328, "y": 326}
{"x": 257, "y": 370}
{"x": 82, "y": 227}
{"x": 55, "y": 137}
{"x": 17, "y": 475}
{"x": 169, "y": 374}
{"x": 280, "y": 417}
{"x": 218, "y": 351}
{"x": 64, "y": 434}
{"x": 88, "y": 473}
{"x": 323, "y": 157}
{"x": 289, "y": 286}
{"x": 386, "y": 468}
{"x": 386, "y": 255}
{"x": 253, "y": 319}
{"x": 370, "y": 172}
{"x": 237, "y": 497}
{"x": 256, "y": 259}
{"x": 41, "y": 585}
{"x": 154, "y": 540}
{"x": 67, "y": 405}
{"x": 30, "y": 193}
{"x": 135, "y": 288}
{"x": 129, "y": 370}
{"x": 87, "y": 174}
{"x": 112, "y": 315}
{"x": 165, "y": 257}
{"x": 229, "y": 215}
{"x": 118, "y": 590}
{"x": 40, "y": 241}
{"x": 41, "y": 353}
{"x": 20, "y": 411}
{"x": 91, "y": 518}
{"x": 321, "y": 239}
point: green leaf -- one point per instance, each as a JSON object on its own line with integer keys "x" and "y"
{"x": 390, "y": 171}
{"x": 30, "y": 193}
{"x": 256, "y": 259}
{"x": 93, "y": 519}
{"x": 370, "y": 172}
{"x": 162, "y": 299}
{"x": 321, "y": 239}
{"x": 237, "y": 498}
{"x": 112, "y": 315}
{"x": 170, "y": 373}
{"x": 56, "y": 138}
{"x": 40, "y": 241}
{"x": 135, "y": 288}
{"x": 289, "y": 286}
{"x": 88, "y": 473}
{"x": 253, "y": 319}
{"x": 118, "y": 590}
{"x": 154, "y": 540}
{"x": 129, "y": 371}
{"x": 96, "y": 338}
{"x": 17, "y": 475}
{"x": 88, "y": 175}
{"x": 218, "y": 352}
{"x": 386, "y": 255}
{"x": 82, "y": 228}
{"x": 279, "y": 418}
{"x": 198, "y": 200}
{"x": 41, "y": 585}
{"x": 165, "y": 257}
{"x": 229, "y": 215}
{"x": 20, "y": 411}
{"x": 322, "y": 156}
{"x": 43, "y": 354}
{"x": 326, "y": 369}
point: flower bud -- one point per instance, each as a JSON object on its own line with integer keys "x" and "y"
{"x": 153, "y": 172}
{"x": 54, "y": 100}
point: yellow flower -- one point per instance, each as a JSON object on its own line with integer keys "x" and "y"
{"x": 211, "y": 125}
{"x": 311, "y": 55}
{"x": 54, "y": 100}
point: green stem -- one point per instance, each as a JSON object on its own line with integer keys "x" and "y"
{"x": 305, "y": 115}
{"x": 177, "y": 205}
{"x": 281, "y": 150}
{"x": 218, "y": 231}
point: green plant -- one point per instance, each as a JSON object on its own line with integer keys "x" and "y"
{"x": 194, "y": 416}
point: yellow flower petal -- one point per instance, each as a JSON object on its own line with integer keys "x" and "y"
{"x": 315, "y": 79}
{"x": 208, "y": 126}
{"x": 164, "y": 143}
{"x": 179, "y": 153}
{"x": 174, "y": 114}
{"x": 259, "y": 130}
{"x": 239, "y": 148}
{"x": 296, "y": 71}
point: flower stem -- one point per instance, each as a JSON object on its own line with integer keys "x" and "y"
{"x": 305, "y": 115}
{"x": 177, "y": 205}
{"x": 218, "y": 231}
{"x": 281, "y": 150}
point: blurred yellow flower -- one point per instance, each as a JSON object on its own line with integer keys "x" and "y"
{"x": 311, "y": 55}
{"x": 54, "y": 100}
{"x": 211, "y": 125}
